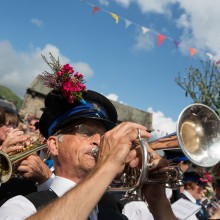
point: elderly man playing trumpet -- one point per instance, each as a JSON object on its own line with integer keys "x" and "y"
{"x": 76, "y": 121}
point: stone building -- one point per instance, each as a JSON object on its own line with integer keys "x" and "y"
{"x": 34, "y": 98}
{"x": 34, "y": 101}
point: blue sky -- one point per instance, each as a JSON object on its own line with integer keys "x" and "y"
{"x": 124, "y": 64}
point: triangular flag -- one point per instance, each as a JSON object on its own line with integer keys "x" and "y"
{"x": 160, "y": 39}
{"x": 145, "y": 30}
{"x": 127, "y": 23}
{"x": 115, "y": 17}
{"x": 176, "y": 43}
{"x": 192, "y": 51}
{"x": 209, "y": 55}
{"x": 218, "y": 62}
{"x": 95, "y": 9}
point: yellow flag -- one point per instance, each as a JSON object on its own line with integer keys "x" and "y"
{"x": 115, "y": 17}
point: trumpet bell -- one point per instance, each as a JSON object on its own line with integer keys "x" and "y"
{"x": 8, "y": 163}
{"x": 198, "y": 132}
{"x": 5, "y": 167}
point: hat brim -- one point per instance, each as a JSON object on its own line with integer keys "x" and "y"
{"x": 108, "y": 124}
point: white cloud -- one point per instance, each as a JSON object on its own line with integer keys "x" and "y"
{"x": 162, "y": 125}
{"x": 156, "y": 6}
{"x": 104, "y": 2}
{"x": 84, "y": 68}
{"x": 124, "y": 3}
{"x": 113, "y": 97}
{"x": 37, "y": 22}
{"x": 146, "y": 6}
{"x": 183, "y": 22}
{"x": 202, "y": 23}
{"x": 18, "y": 70}
{"x": 145, "y": 42}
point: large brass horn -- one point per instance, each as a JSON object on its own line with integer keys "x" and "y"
{"x": 8, "y": 163}
{"x": 197, "y": 135}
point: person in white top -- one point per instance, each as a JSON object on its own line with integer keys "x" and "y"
{"x": 76, "y": 123}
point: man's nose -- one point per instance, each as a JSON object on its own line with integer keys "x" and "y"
{"x": 95, "y": 139}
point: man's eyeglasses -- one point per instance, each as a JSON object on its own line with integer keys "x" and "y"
{"x": 87, "y": 131}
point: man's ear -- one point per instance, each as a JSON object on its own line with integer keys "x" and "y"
{"x": 52, "y": 144}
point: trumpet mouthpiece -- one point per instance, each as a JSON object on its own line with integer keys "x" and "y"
{"x": 95, "y": 152}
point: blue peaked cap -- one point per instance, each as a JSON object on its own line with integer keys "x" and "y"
{"x": 58, "y": 111}
{"x": 84, "y": 109}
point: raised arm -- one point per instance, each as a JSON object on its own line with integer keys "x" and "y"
{"x": 115, "y": 152}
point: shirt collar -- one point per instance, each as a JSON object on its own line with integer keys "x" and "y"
{"x": 189, "y": 196}
{"x": 61, "y": 185}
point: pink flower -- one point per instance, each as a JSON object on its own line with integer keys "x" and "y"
{"x": 207, "y": 176}
{"x": 59, "y": 73}
{"x": 68, "y": 86}
{"x": 78, "y": 75}
{"x": 82, "y": 86}
{"x": 67, "y": 68}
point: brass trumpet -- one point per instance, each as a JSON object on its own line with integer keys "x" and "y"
{"x": 8, "y": 163}
{"x": 197, "y": 135}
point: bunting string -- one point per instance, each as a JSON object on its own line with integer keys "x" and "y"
{"x": 160, "y": 37}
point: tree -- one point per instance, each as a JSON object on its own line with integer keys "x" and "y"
{"x": 203, "y": 85}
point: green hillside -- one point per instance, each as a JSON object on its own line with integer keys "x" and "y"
{"x": 7, "y": 94}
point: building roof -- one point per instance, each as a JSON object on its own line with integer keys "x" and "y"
{"x": 38, "y": 86}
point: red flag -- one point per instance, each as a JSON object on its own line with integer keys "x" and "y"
{"x": 160, "y": 39}
{"x": 218, "y": 62}
{"x": 95, "y": 9}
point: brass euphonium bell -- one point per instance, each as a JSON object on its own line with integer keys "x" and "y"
{"x": 197, "y": 135}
